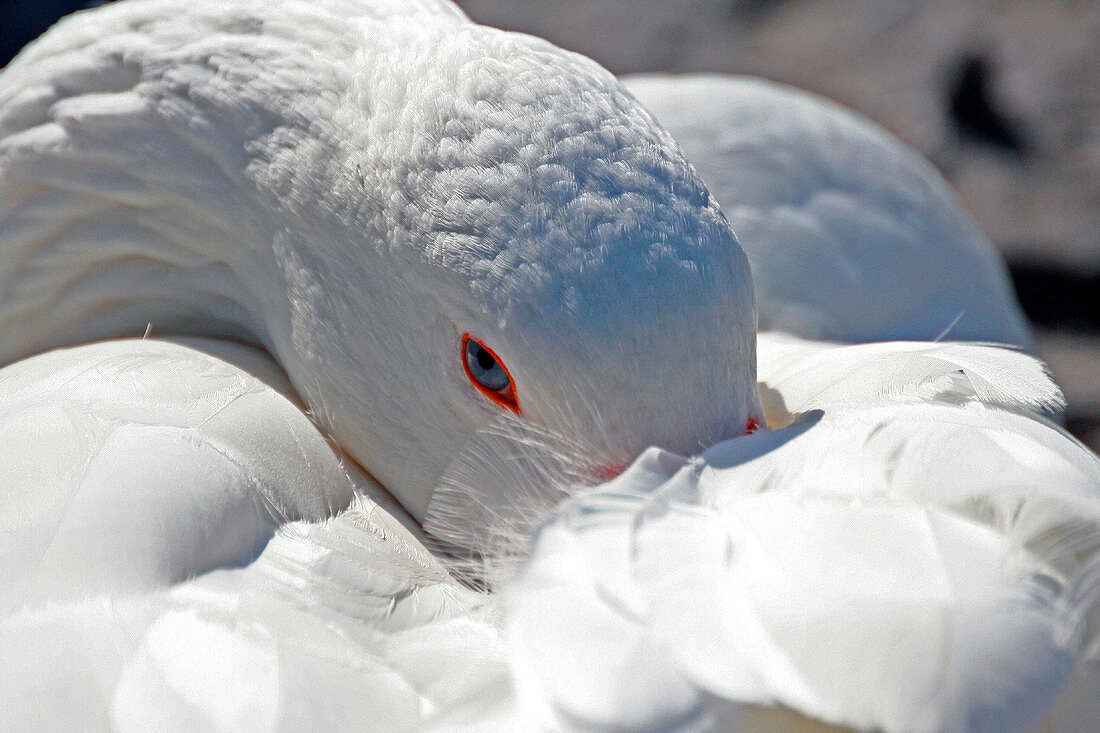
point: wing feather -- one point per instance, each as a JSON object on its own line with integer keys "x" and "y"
{"x": 906, "y": 554}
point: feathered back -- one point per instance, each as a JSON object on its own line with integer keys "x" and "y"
{"x": 851, "y": 234}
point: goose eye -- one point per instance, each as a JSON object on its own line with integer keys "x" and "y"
{"x": 488, "y": 373}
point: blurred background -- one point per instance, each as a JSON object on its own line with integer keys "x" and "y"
{"x": 1002, "y": 95}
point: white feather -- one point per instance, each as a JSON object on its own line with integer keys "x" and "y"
{"x": 797, "y": 375}
{"x": 184, "y": 594}
{"x": 894, "y": 563}
{"x": 851, "y": 234}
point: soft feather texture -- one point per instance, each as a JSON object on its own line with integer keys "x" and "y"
{"x": 851, "y": 234}
{"x": 911, "y": 562}
{"x": 138, "y": 464}
{"x": 912, "y": 549}
{"x": 257, "y": 648}
{"x": 797, "y": 375}
{"x": 174, "y": 584}
{"x": 347, "y": 180}
{"x": 917, "y": 561}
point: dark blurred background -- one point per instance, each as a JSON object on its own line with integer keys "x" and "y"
{"x": 1002, "y": 95}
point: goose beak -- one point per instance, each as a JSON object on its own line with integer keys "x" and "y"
{"x": 603, "y": 474}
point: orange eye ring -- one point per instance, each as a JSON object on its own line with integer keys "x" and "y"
{"x": 504, "y": 396}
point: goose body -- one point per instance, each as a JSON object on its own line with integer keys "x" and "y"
{"x": 321, "y": 204}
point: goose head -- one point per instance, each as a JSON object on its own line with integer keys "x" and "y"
{"x": 433, "y": 226}
{"x": 543, "y": 254}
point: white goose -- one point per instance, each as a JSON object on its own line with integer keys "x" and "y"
{"x": 444, "y": 237}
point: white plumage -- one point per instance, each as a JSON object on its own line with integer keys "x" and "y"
{"x": 357, "y": 185}
{"x": 852, "y": 236}
{"x": 903, "y": 556}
